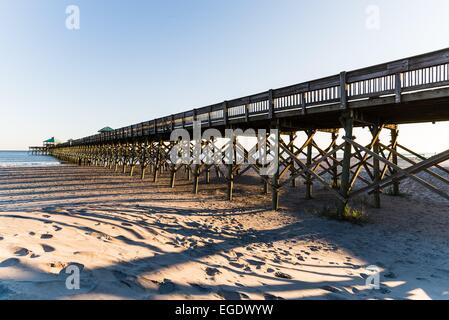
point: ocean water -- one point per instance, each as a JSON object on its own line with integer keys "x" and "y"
{"x": 25, "y": 159}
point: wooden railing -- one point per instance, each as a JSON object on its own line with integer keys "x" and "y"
{"x": 395, "y": 78}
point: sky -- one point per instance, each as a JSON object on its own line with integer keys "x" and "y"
{"x": 136, "y": 60}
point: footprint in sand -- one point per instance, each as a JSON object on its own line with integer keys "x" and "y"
{"x": 32, "y": 233}
{"x": 283, "y": 275}
{"x": 200, "y": 288}
{"x": 232, "y": 295}
{"x": 57, "y": 228}
{"x": 11, "y": 262}
{"x": 1, "y": 238}
{"x": 167, "y": 287}
{"x": 46, "y": 236}
{"x": 330, "y": 289}
{"x": 271, "y": 297}
{"x": 126, "y": 224}
{"x": 390, "y": 275}
{"x": 128, "y": 280}
{"x": 47, "y": 248}
{"x": 61, "y": 267}
{"x": 212, "y": 271}
{"x": 256, "y": 263}
{"x": 237, "y": 265}
{"x": 21, "y": 252}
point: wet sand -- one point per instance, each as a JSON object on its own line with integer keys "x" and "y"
{"x": 136, "y": 239}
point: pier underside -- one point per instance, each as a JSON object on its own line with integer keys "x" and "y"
{"x": 376, "y": 99}
{"x": 347, "y": 169}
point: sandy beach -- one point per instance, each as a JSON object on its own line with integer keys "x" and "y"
{"x": 136, "y": 239}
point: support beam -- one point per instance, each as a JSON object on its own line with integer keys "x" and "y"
{"x": 143, "y": 160}
{"x": 394, "y": 144}
{"x": 172, "y": 176}
{"x": 405, "y": 173}
{"x": 275, "y": 179}
{"x": 156, "y": 167}
{"x": 376, "y": 166}
{"x": 292, "y": 149}
{"x": 189, "y": 173}
{"x": 196, "y": 177}
{"x": 309, "y": 183}
{"x": 125, "y": 158}
{"x": 348, "y": 125}
{"x": 334, "y": 162}
{"x": 208, "y": 175}
{"x": 230, "y": 178}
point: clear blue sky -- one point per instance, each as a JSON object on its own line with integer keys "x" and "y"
{"x": 135, "y": 60}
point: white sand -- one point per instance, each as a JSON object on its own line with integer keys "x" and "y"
{"x": 139, "y": 240}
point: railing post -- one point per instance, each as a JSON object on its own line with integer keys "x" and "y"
{"x": 343, "y": 91}
{"x": 209, "y": 120}
{"x": 225, "y": 113}
{"x": 271, "y": 105}
{"x": 398, "y": 87}
{"x": 303, "y": 103}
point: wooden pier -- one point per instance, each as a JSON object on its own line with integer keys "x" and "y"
{"x": 44, "y": 150}
{"x": 378, "y": 98}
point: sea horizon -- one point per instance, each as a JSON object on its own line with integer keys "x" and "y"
{"x": 18, "y": 158}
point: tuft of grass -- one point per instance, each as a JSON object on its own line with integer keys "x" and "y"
{"x": 352, "y": 215}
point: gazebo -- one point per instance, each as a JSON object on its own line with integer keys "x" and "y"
{"x": 50, "y": 142}
{"x": 105, "y": 129}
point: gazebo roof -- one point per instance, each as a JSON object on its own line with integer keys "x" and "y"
{"x": 51, "y": 140}
{"x": 105, "y": 129}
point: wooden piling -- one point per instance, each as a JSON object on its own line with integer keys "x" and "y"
{"x": 394, "y": 144}
{"x": 309, "y": 184}
{"x": 334, "y": 163}
{"x": 230, "y": 178}
{"x": 376, "y": 166}
{"x": 292, "y": 149}
{"x": 172, "y": 176}
{"x": 348, "y": 125}
{"x": 275, "y": 177}
{"x": 196, "y": 178}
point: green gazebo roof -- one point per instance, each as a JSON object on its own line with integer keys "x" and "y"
{"x": 105, "y": 129}
{"x": 51, "y": 140}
